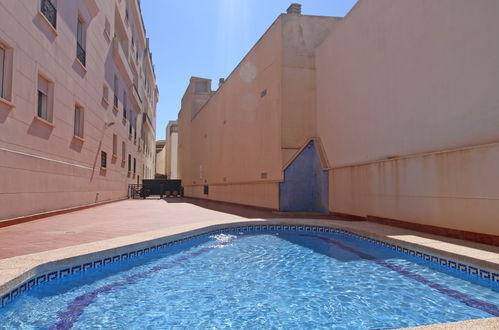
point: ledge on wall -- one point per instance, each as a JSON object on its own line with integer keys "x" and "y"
{"x": 447, "y": 232}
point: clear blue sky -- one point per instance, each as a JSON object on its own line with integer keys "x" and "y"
{"x": 208, "y": 38}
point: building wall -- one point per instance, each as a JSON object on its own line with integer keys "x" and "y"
{"x": 455, "y": 189}
{"x": 172, "y": 150}
{"x": 400, "y": 78}
{"x": 235, "y": 136}
{"x": 42, "y": 165}
{"x": 161, "y": 157}
{"x": 301, "y": 35}
{"x": 264, "y": 194}
{"x": 237, "y": 139}
{"x": 173, "y": 155}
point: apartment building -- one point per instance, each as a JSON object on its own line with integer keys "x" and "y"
{"x": 77, "y": 104}
{"x": 389, "y": 114}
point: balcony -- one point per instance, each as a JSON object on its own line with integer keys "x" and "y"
{"x": 81, "y": 54}
{"x": 120, "y": 58}
{"x": 147, "y": 122}
{"x": 49, "y": 11}
{"x": 137, "y": 101}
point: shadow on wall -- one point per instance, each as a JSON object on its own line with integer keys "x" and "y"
{"x": 4, "y": 113}
{"x": 39, "y": 129}
{"x": 76, "y": 145}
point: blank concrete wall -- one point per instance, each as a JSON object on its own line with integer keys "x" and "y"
{"x": 457, "y": 189}
{"x": 404, "y": 77}
{"x": 235, "y": 137}
{"x": 398, "y": 77}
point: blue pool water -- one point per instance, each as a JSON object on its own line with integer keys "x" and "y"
{"x": 285, "y": 280}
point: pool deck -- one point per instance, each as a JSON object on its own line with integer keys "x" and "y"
{"x": 26, "y": 247}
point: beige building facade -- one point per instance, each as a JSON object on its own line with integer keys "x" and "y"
{"x": 171, "y": 162}
{"x": 390, "y": 112}
{"x": 167, "y": 153}
{"x": 77, "y": 104}
{"x": 160, "y": 158}
{"x": 408, "y": 112}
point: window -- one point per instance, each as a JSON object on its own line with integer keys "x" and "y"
{"x": 134, "y": 163}
{"x": 78, "y": 129}
{"x": 44, "y": 99}
{"x": 49, "y": 11}
{"x": 124, "y": 104}
{"x": 123, "y": 151}
{"x": 80, "y": 41}
{"x": 6, "y": 57}
{"x": 115, "y": 92}
{"x": 2, "y": 64}
{"x": 129, "y": 163}
{"x": 115, "y": 145}
{"x": 103, "y": 159}
{"x": 42, "y": 105}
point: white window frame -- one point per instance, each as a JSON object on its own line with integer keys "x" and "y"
{"x": 44, "y": 98}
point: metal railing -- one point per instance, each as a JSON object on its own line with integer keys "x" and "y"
{"x": 134, "y": 191}
{"x": 80, "y": 53}
{"x": 49, "y": 11}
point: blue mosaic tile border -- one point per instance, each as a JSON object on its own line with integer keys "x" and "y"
{"x": 448, "y": 263}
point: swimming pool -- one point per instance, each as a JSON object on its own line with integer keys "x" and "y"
{"x": 258, "y": 279}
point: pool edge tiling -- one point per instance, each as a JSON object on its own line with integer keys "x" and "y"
{"x": 19, "y": 274}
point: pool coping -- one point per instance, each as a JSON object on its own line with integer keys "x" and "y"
{"x": 21, "y": 273}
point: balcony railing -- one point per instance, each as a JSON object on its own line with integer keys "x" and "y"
{"x": 80, "y": 53}
{"x": 120, "y": 59}
{"x": 49, "y": 11}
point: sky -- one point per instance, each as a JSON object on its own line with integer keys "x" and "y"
{"x": 208, "y": 39}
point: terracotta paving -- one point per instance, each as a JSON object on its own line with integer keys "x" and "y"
{"x": 114, "y": 220}
{"x": 130, "y": 217}
{"x": 99, "y": 223}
